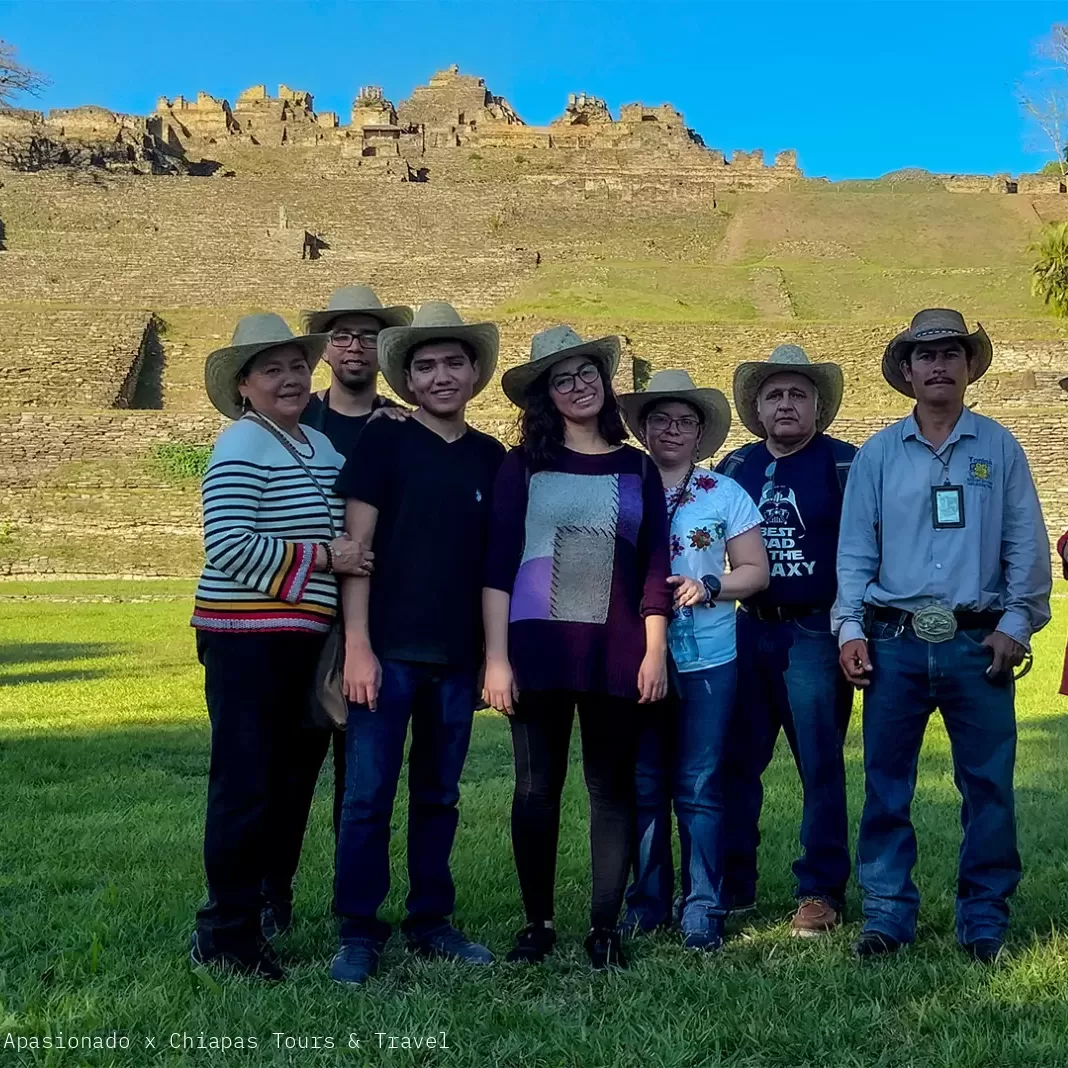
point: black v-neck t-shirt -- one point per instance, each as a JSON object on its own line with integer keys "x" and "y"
{"x": 433, "y": 501}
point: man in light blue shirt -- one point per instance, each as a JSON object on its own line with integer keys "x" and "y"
{"x": 943, "y": 576}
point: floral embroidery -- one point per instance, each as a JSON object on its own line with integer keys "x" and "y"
{"x": 700, "y": 538}
{"x": 719, "y": 529}
{"x": 676, "y": 546}
{"x": 705, "y": 482}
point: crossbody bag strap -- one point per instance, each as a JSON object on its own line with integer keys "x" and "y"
{"x": 288, "y": 446}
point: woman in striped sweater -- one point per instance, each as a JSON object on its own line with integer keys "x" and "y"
{"x": 265, "y": 602}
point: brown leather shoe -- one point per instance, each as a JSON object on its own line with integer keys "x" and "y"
{"x": 814, "y": 917}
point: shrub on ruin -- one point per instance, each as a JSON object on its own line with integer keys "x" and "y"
{"x": 179, "y": 462}
{"x": 1049, "y": 275}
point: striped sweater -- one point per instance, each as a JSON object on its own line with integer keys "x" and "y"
{"x": 262, "y": 521}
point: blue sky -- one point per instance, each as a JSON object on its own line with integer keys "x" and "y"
{"x": 858, "y": 88}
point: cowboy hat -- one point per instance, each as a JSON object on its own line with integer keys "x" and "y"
{"x": 750, "y": 376}
{"x": 252, "y": 335}
{"x": 550, "y": 347}
{"x": 436, "y": 320}
{"x": 936, "y": 324}
{"x": 355, "y": 300}
{"x": 678, "y": 385}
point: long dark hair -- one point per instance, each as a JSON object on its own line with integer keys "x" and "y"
{"x": 541, "y": 426}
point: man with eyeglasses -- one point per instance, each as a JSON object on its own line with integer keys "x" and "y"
{"x": 353, "y": 318}
{"x": 788, "y": 675}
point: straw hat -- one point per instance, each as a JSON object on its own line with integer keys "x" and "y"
{"x": 750, "y": 376}
{"x": 355, "y": 300}
{"x": 935, "y": 324}
{"x": 436, "y": 320}
{"x": 550, "y": 347}
{"x": 252, "y": 335}
{"x": 678, "y": 385}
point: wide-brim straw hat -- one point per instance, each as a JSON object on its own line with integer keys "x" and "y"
{"x": 936, "y": 324}
{"x": 551, "y": 346}
{"x": 252, "y": 335}
{"x": 355, "y": 300}
{"x": 436, "y": 320}
{"x": 750, "y": 376}
{"x": 678, "y": 385}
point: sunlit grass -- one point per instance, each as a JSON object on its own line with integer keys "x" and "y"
{"x": 103, "y": 743}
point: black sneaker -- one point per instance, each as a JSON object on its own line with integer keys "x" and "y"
{"x": 707, "y": 937}
{"x": 276, "y": 918}
{"x": 983, "y": 950}
{"x": 604, "y": 947}
{"x": 533, "y": 944}
{"x": 448, "y": 943}
{"x": 875, "y": 944}
{"x": 245, "y": 956}
{"x": 355, "y": 961}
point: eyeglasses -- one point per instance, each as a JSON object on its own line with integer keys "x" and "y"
{"x": 588, "y": 373}
{"x": 344, "y": 338}
{"x": 686, "y": 424}
{"x": 769, "y": 486}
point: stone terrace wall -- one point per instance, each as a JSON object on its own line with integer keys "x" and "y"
{"x": 63, "y": 359}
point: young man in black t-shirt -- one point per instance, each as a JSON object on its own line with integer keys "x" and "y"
{"x": 788, "y": 675}
{"x": 418, "y": 491}
{"x": 353, "y": 318}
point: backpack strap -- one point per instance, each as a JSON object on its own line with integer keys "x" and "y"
{"x": 732, "y": 462}
{"x": 843, "y": 454}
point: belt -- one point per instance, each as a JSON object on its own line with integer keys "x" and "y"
{"x": 781, "y": 613}
{"x": 965, "y": 620}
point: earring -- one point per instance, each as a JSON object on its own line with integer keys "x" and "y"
{"x": 246, "y": 404}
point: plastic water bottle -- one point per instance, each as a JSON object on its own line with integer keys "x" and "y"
{"x": 683, "y": 642}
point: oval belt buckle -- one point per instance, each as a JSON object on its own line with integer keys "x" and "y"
{"x": 934, "y": 623}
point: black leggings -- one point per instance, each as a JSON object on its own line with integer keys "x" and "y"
{"x": 541, "y": 735}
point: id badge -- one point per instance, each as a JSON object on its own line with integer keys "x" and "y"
{"x": 947, "y": 507}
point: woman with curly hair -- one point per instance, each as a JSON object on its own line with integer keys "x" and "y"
{"x": 576, "y": 609}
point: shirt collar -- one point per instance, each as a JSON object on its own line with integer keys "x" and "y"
{"x": 966, "y": 427}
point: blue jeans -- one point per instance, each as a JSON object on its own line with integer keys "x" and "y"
{"x": 788, "y": 678}
{"x": 910, "y": 679}
{"x": 680, "y": 758}
{"x": 440, "y": 703}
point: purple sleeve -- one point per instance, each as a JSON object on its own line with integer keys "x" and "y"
{"x": 507, "y": 523}
{"x": 657, "y": 595}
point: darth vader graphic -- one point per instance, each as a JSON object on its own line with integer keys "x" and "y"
{"x": 778, "y": 506}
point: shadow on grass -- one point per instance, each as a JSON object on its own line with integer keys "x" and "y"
{"x": 51, "y": 653}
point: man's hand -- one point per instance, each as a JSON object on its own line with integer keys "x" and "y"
{"x": 362, "y": 675}
{"x": 389, "y": 411}
{"x": 855, "y": 663}
{"x": 688, "y": 591}
{"x": 652, "y": 678}
{"x": 1008, "y": 653}
{"x": 499, "y": 690}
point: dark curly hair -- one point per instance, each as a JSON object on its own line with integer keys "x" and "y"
{"x": 541, "y": 426}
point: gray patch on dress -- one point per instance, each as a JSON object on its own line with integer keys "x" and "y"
{"x": 583, "y": 559}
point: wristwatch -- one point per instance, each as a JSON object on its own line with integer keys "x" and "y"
{"x": 712, "y": 587}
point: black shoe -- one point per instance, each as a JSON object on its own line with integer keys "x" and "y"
{"x": 604, "y": 947}
{"x": 742, "y": 904}
{"x": 708, "y": 937}
{"x": 533, "y": 944}
{"x": 983, "y": 950}
{"x": 276, "y": 918}
{"x": 447, "y": 943}
{"x": 243, "y": 956}
{"x": 355, "y": 961}
{"x": 875, "y": 944}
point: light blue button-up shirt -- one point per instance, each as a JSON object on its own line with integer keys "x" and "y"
{"x": 890, "y": 555}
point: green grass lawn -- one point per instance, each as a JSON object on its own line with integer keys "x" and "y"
{"x": 103, "y": 750}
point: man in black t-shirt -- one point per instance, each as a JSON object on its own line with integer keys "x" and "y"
{"x": 353, "y": 318}
{"x": 418, "y": 492}
{"x": 788, "y": 675}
